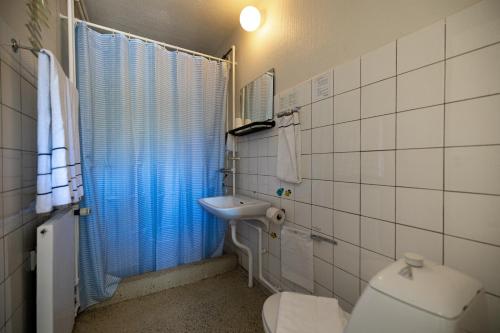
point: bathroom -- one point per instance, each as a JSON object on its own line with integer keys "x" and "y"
{"x": 250, "y": 166}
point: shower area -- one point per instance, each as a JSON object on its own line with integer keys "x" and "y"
{"x": 152, "y": 132}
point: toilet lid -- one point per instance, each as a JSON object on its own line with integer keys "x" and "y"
{"x": 270, "y": 312}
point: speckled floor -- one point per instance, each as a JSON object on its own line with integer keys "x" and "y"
{"x": 220, "y": 304}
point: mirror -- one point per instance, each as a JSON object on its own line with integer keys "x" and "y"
{"x": 257, "y": 99}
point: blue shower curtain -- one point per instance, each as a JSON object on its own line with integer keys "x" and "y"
{"x": 152, "y": 138}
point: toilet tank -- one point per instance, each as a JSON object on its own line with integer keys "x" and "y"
{"x": 425, "y": 297}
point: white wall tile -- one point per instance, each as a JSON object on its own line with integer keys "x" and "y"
{"x": 473, "y": 74}
{"x": 420, "y": 128}
{"x": 13, "y": 251}
{"x": 378, "y": 98}
{"x": 322, "y": 139}
{"x": 306, "y": 141}
{"x": 426, "y": 243}
{"x": 14, "y": 291}
{"x": 322, "y": 220}
{"x": 378, "y": 64}
{"x": 421, "y": 48}
{"x": 2, "y": 259}
{"x": 346, "y": 256}
{"x": 346, "y": 137}
{"x": 322, "y": 166}
{"x": 346, "y": 197}
{"x": 323, "y": 273}
{"x": 300, "y": 95}
{"x": 346, "y": 226}
{"x": 473, "y": 169}
{"x": 305, "y": 117}
{"x": 322, "y": 86}
{"x": 322, "y": 112}
{"x": 11, "y": 128}
{"x": 347, "y": 76}
{"x": 319, "y": 290}
{"x": 493, "y": 304}
{"x": 11, "y": 87}
{"x": 422, "y": 87}
{"x": 474, "y": 27}
{"x": 322, "y": 193}
{"x": 420, "y": 208}
{"x": 303, "y": 191}
{"x": 346, "y": 167}
{"x": 378, "y": 236}
{"x": 476, "y": 259}
{"x": 346, "y": 106}
{"x": 29, "y": 129}
{"x": 302, "y": 214}
{"x": 473, "y": 122}
{"x": 12, "y": 170}
{"x": 378, "y": 133}
{"x": 421, "y": 168}
{"x": 12, "y": 210}
{"x": 472, "y": 216}
{"x": 289, "y": 207}
{"x": 378, "y": 202}
{"x": 378, "y": 167}
{"x": 345, "y": 285}
{"x": 306, "y": 165}
{"x": 372, "y": 263}
{"x": 323, "y": 250}
{"x": 28, "y": 99}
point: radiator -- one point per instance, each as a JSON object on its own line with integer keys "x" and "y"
{"x": 56, "y": 274}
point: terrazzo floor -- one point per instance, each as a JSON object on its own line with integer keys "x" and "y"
{"x": 220, "y": 304}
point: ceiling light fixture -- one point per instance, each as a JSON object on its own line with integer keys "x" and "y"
{"x": 250, "y": 18}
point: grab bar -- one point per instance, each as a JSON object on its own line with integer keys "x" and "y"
{"x": 322, "y": 238}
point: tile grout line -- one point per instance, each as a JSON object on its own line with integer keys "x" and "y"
{"x": 360, "y": 168}
{"x": 444, "y": 149}
{"x": 396, "y": 156}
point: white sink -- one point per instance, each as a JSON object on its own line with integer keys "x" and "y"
{"x": 235, "y": 208}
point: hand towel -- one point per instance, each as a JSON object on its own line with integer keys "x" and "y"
{"x": 297, "y": 257}
{"x": 288, "y": 167}
{"x": 231, "y": 143}
{"x": 300, "y": 313}
{"x": 59, "y": 180}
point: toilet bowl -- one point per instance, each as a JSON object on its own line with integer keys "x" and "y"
{"x": 410, "y": 295}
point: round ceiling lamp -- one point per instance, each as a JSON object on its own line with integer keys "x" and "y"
{"x": 250, "y": 18}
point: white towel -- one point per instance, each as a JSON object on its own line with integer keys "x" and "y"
{"x": 288, "y": 164}
{"x": 297, "y": 257}
{"x": 59, "y": 179}
{"x": 300, "y": 313}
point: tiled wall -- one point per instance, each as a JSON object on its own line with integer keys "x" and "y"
{"x": 401, "y": 152}
{"x": 18, "y": 177}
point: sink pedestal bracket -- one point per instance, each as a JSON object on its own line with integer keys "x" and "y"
{"x": 244, "y": 248}
{"x": 249, "y": 251}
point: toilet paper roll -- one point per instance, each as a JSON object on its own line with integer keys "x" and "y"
{"x": 238, "y": 122}
{"x": 275, "y": 215}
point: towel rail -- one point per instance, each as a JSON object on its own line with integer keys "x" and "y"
{"x": 322, "y": 238}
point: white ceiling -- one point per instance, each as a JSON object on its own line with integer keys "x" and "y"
{"x": 200, "y": 25}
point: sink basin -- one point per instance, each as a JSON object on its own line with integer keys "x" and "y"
{"x": 234, "y": 208}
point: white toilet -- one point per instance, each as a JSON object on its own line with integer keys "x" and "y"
{"x": 410, "y": 295}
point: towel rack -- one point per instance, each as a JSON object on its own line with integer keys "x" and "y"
{"x": 321, "y": 238}
{"x": 288, "y": 112}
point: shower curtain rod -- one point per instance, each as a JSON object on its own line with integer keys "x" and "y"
{"x": 178, "y": 48}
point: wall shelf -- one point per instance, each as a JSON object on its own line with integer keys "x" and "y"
{"x": 253, "y": 127}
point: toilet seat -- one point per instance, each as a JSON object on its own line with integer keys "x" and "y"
{"x": 270, "y": 313}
